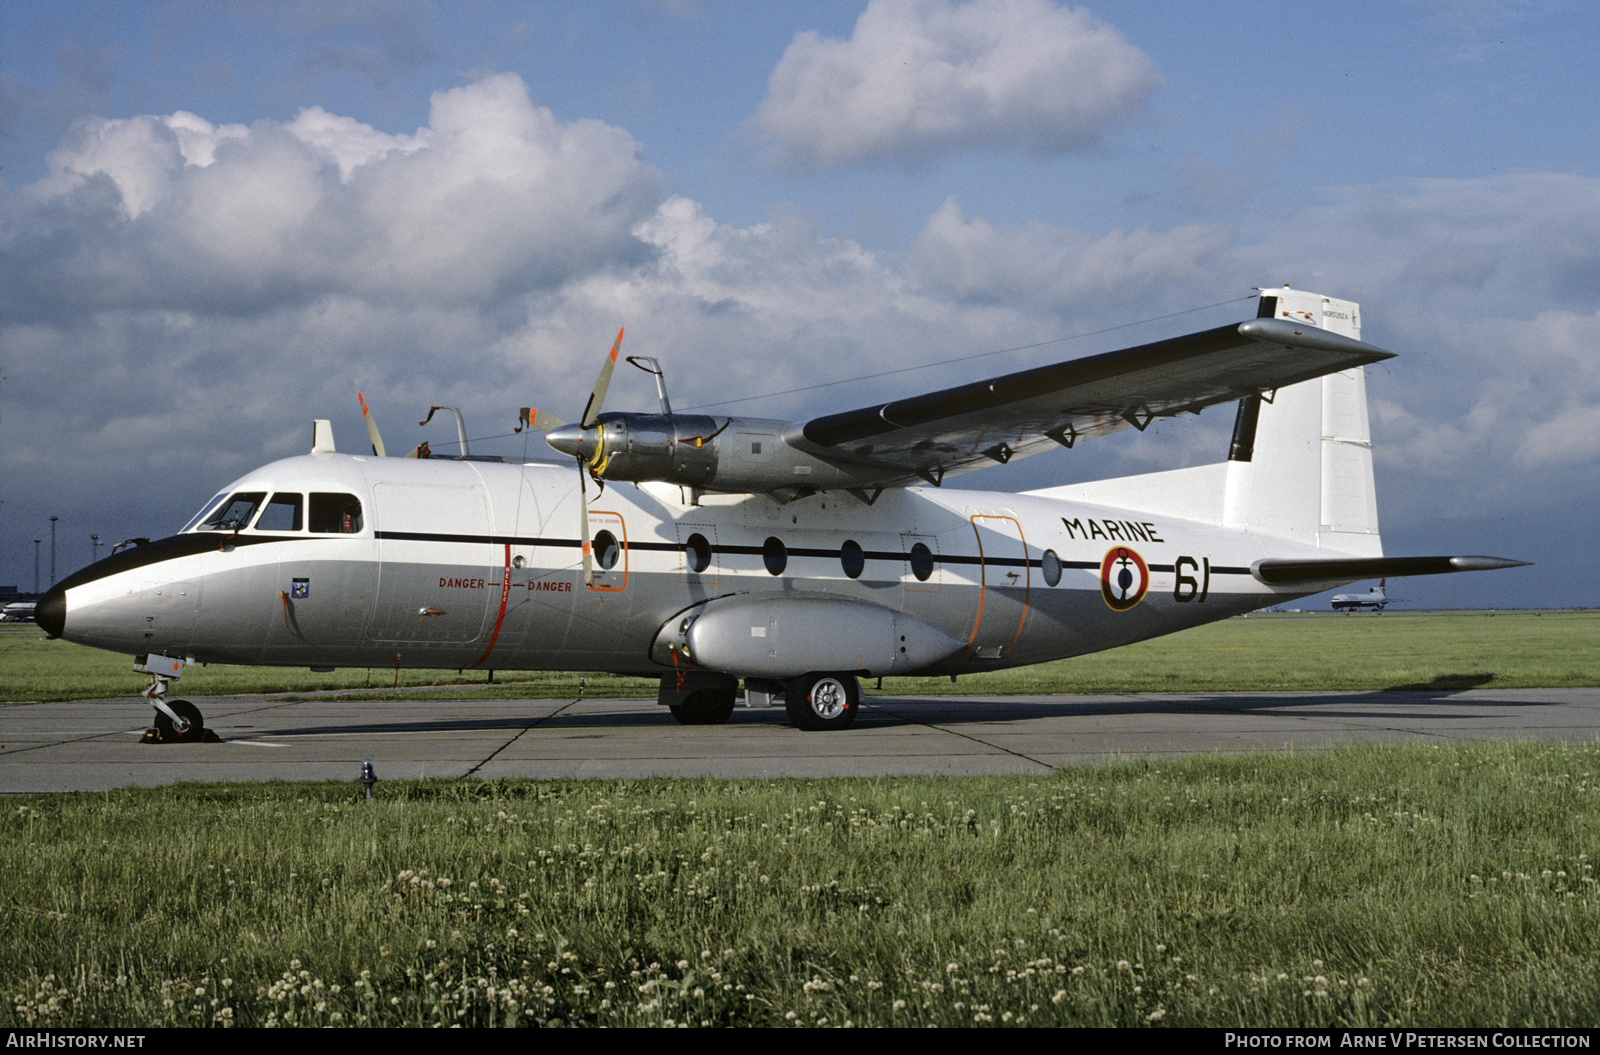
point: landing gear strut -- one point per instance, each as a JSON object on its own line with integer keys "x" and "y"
{"x": 177, "y": 721}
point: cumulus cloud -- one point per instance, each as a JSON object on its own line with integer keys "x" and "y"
{"x": 922, "y": 77}
{"x": 494, "y": 196}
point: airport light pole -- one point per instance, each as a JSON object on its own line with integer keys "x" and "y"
{"x": 94, "y": 548}
{"x": 53, "y": 550}
{"x": 36, "y": 564}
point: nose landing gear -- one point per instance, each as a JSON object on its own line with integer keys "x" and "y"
{"x": 178, "y": 721}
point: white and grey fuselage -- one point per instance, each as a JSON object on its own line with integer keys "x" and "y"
{"x": 357, "y": 561}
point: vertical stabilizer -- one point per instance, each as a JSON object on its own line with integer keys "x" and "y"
{"x": 1302, "y": 469}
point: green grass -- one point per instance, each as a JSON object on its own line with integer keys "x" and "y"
{"x": 1377, "y": 886}
{"x": 1310, "y": 652}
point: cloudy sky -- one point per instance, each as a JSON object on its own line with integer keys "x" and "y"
{"x": 219, "y": 220}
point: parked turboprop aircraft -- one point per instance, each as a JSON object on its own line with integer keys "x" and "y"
{"x": 796, "y": 557}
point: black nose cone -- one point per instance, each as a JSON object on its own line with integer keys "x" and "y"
{"x": 51, "y": 612}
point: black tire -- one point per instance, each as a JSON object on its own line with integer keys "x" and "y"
{"x": 823, "y": 702}
{"x": 190, "y": 713}
{"x": 704, "y": 707}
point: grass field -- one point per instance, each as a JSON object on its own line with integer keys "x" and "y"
{"x": 1373, "y": 886}
{"x": 1394, "y": 886}
{"x": 1395, "y": 650}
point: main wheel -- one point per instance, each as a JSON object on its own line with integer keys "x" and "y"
{"x": 819, "y": 702}
{"x": 189, "y": 713}
{"x": 704, "y": 707}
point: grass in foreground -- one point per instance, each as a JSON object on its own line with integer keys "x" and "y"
{"x": 1395, "y": 650}
{"x": 1396, "y": 886}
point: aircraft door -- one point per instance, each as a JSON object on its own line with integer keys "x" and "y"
{"x": 1003, "y": 588}
{"x": 608, "y": 538}
{"x": 599, "y": 627}
{"x": 437, "y": 566}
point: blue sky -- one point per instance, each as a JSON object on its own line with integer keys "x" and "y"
{"x": 218, "y": 220}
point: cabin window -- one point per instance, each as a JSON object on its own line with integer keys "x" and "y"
{"x": 775, "y": 555}
{"x": 922, "y": 562}
{"x": 852, "y": 559}
{"x": 335, "y": 514}
{"x": 1050, "y": 564}
{"x": 606, "y": 550}
{"x": 697, "y": 553}
{"x": 283, "y": 513}
{"x": 235, "y": 513}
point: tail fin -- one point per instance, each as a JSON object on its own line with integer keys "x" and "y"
{"x": 1302, "y": 468}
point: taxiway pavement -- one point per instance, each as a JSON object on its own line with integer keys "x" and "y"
{"x": 92, "y": 745}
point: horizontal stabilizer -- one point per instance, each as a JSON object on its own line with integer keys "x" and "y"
{"x": 1286, "y": 572}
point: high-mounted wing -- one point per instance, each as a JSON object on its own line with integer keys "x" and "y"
{"x": 955, "y": 430}
{"x": 976, "y": 425}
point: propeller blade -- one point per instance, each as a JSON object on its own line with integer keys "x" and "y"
{"x": 598, "y": 396}
{"x": 583, "y": 513}
{"x": 542, "y": 420}
{"x": 372, "y": 427}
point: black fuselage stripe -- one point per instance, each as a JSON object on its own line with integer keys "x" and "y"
{"x": 757, "y": 551}
{"x": 199, "y": 542}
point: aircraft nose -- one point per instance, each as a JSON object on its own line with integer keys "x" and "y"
{"x": 568, "y": 439}
{"x": 51, "y": 613}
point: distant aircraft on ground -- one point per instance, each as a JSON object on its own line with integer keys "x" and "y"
{"x": 1376, "y": 598}
{"x": 795, "y": 557}
{"x": 18, "y": 612}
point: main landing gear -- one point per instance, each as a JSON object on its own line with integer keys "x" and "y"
{"x": 704, "y": 707}
{"x": 817, "y": 702}
{"x": 820, "y": 702}
{"x": 176, "y": 721}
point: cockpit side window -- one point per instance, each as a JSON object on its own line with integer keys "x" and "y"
{"x": 235, "y": 513}
{"x": 283, "y": 513}
{"x": 335, "y": 514}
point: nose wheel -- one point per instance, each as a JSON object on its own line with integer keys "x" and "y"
{"x": 183, "y": 726}
{"x": 176, "y": 721}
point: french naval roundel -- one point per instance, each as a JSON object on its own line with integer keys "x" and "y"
{"x": 1124, "y": 578}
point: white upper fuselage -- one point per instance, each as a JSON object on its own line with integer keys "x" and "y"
{"x": 460, "y": 564}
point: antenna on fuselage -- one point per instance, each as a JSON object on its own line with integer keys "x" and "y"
{"x": 322, "y": 436}
{"x": 461, "y": 428}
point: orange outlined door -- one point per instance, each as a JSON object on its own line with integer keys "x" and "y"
{"x": 1004, "y": 581}
{"x": 609, "y": 538}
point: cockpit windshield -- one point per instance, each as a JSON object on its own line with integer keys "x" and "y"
{"x": 205, "y": 511}
{"x": 234, "y": 513}
{"x": 327, "y": 513}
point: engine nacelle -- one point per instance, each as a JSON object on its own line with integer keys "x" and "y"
{"x": 736, "y": 455}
